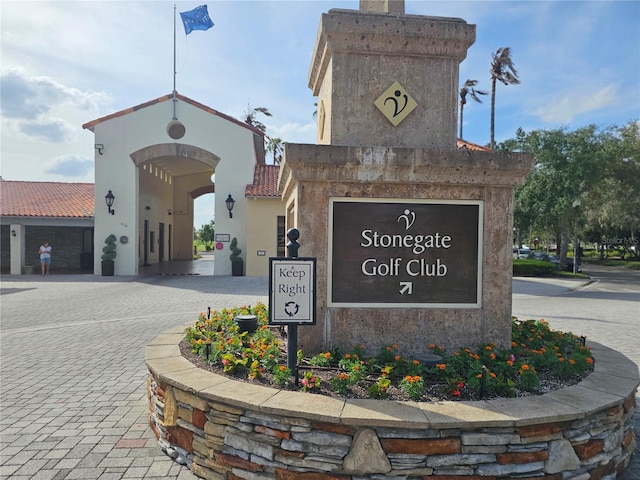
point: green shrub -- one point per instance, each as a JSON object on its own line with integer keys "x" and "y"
{"x": 530, "y": 268}
{"x": 109, "y": 250}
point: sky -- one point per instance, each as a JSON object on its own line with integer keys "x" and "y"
{"x": 66, "y": 63}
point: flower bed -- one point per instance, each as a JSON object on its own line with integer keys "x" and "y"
{"x": 224, "y": 429}
{"x": 539, "y": 360}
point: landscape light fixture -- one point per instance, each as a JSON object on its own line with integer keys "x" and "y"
{"x": 230, "y": 203}
{"x": 109, "y": 198}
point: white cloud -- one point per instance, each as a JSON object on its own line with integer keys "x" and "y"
{"x": 565, "y": 108}
{"x": 73, "y": 166}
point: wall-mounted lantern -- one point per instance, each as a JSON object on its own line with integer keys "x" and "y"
{"x": 109, "y": 198}
{"x": 230, "y": 203}
{"x": 13, "y": 233}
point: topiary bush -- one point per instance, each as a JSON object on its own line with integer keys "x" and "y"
{"x": 109, "y": 250}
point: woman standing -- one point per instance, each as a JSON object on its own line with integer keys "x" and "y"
{"x": 45, "y": 258}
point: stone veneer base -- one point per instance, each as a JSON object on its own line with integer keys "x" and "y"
{"x": 228, "y": 430}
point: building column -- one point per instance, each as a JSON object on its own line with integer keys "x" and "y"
{"x": 17, "y": 248}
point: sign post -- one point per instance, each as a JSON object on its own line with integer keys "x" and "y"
{"x": 292, "y": 295}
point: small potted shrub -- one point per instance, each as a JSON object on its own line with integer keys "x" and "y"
{"x": 108, "y": 256}
{"x": 237, "y": 265}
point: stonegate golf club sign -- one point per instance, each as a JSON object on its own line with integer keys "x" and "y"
{"x": 405, "y": 253}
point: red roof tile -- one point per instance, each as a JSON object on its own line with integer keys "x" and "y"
{"x": 46, "y": 199}
{"x": 265, "y": 182}
{"x": 463, "y": 144}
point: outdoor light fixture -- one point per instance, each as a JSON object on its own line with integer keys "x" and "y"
{"x": 230, "y": 203}
{"x": 109, "y": 198}
{"x": 99, "y": 147}
{"x": 13, "y": 233}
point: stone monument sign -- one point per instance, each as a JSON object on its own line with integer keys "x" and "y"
{"x": 412, "y": 236}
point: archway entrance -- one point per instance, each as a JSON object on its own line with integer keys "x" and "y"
{"x": 170, "y": 177}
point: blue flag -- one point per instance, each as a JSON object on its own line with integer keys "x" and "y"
{"x": 196, "y": 19}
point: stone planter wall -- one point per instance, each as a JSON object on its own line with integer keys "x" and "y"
{"x": 228, "y": 430}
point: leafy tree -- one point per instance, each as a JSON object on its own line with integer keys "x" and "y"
{"x": 599, "y": 168}
{"x": 468, "y": 89}
{"x": 503, "y": 70}
{"x": 206, "y": 234}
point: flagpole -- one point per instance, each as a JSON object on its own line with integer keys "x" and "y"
{"x": 174, "y": 63}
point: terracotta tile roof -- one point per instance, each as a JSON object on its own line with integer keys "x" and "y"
{"x": 46, "y": 199}
{"x": 463, "y": 144}
{"x": 265, "y": 182}
{"x": 126, "y": 111}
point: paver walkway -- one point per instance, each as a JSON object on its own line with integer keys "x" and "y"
{"x": 72, "y": 401}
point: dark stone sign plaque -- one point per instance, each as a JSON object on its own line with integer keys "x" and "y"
{"x": 405, "y": 253}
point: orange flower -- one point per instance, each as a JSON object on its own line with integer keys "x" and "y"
{"x": 416, "y": 378}
{"x": 488, "y": 348}
{"x": 572, "y": 361}
{"x": 510, "y": 363}
{"x": 432, "y": 345}
{"x": 589, "y": 361}
{"x": 347, "y": 356}
{"x": 282, "y": 368}
{"x": 492, "y": 375}
{"x": 492, "y": 356}
{"x": 395, "y": 345}
{"x": 513, "y": 344}
{"x": 561, "y": 359}
{"x": 327, "y": 355}
{"x": 397, "y": 358}
{"x": 525, "y": 367}
{"x": 416, "y": 362}
{"x": 409, "y": 378}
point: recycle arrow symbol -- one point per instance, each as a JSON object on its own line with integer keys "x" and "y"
{"x": 406, "y": 287}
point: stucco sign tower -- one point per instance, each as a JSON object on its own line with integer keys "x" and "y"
{"x": 412, "y": 236}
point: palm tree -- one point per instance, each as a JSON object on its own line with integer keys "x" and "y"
{"x": 502, "y": 69}
{"x": 467, "y": 89}
{"x": 251, "y": 114}
{"x": 274, "y": 145}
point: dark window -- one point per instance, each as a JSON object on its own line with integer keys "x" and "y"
{"x": 281, "y": 235}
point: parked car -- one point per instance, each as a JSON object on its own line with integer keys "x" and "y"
{"x": 521, "y": 252}
{"x": 539, "y": 256}
{"x": 555, "y": 259}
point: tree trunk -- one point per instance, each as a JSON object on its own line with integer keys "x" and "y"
{"x": 564, "y": 244}
{"x": 493, "y": 112}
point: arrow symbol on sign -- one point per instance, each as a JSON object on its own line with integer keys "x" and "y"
{"x": 406, "y": 287}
